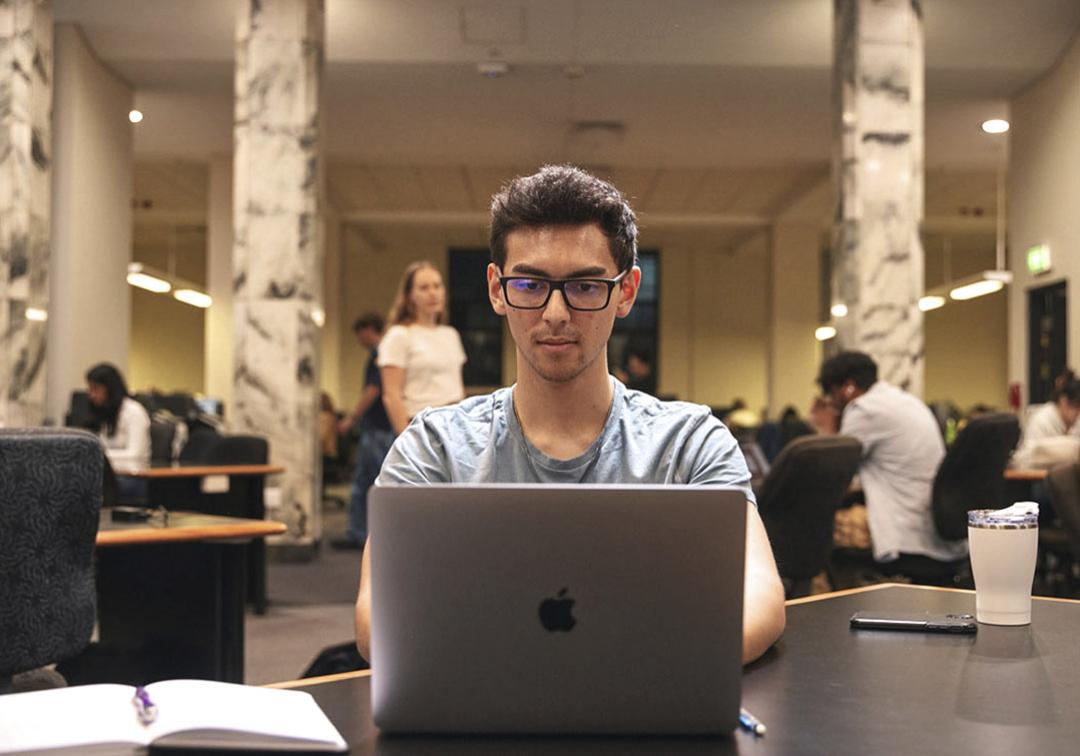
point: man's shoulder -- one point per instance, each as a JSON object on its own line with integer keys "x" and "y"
{"x": 644, "y": 409}
{"x": 479, "y": 410}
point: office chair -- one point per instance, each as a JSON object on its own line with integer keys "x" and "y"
{"x": 798, "y": 500}
{"x": 1059, "y": 541}
{"x": 161, "y": 441}
{"x": 50, "y": 498}
{"x": 971, "y": 475}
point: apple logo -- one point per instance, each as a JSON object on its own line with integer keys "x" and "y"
{"x": 555, "y": 613}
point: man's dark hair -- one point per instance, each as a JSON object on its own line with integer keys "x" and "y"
{"x": 845, "y": 366}
{"x": 369, "y": 320}
{"x": 562, "y": 195}
{"x": 1070, "y": 390}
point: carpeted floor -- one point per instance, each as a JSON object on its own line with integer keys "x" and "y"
{"x": 310, "y": 608}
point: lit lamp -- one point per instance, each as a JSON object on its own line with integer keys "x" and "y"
{"x": 987, "y": 282}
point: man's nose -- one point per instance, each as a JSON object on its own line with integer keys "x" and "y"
{"x": 556, "y": 309}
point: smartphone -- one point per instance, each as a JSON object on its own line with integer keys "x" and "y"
{"x": 914, "y": 621}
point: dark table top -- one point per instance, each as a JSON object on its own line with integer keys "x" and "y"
{"x": 826, "y": 689}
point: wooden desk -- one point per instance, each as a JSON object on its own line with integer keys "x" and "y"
{"x": 199, "y": 471}
{"x": 826, "y": 689}
{"x": 179, "y": 487}
{"x": 170, "y": 600}
{"x": 1029, "y": 475}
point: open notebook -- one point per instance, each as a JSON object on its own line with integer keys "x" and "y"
{"x": 190, "y": 714}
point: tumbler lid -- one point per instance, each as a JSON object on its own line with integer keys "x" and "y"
{"x": 1021, "y": 515}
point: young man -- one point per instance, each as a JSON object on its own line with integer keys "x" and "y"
{"x": 902, "y": 450}
{"x": 564, "y": 247}
{"x": 1052, "y": 433}
{"x": 376, "y": 434}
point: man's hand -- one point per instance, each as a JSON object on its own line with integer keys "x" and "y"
{"x": 824, "y": 416}
{"x": 345, "y": 424}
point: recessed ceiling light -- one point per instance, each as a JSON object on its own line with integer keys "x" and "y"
{"x": 995, "y": 126}
{"x": 135, "y": 116}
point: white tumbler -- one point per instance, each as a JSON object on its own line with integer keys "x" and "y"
{"x": 1003, "y": 545}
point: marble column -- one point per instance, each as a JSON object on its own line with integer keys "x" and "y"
{"x": 26, "y": 62}
{"x": 277, "y": 246}
{"x": 877, "y": 256}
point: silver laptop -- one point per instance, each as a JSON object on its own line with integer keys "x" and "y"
{"x": 556, "y": 609}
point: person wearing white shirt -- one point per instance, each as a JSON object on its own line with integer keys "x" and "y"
{"x": 122, "y": 424}
{"x": 902, "y": 450}
{"x": 420, "y": 358}
{"x": 1052, "y": 433}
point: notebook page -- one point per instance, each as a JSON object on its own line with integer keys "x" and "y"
{"x": 186, "y": 705}
{"x": 68, "y": 717}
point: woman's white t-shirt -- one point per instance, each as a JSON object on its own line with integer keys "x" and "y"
{"x": 129, "y": 447}
{"x": 432, "y": 357}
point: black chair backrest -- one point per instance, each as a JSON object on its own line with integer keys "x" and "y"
{"x": 200, "y": 446}
{"x": 1064, "y": 485}
{"x": 50, "y": 497}
{"x": 79, "y": 414}
{"x": 240, "y": 450}
{"x": 971, "y": 475}
{"x": 799, "y": 497}
{"x": 161, "y": 441}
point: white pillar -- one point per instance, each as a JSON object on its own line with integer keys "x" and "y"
{"x": 218, "y": 345}
{"x": 26, "y": 62}
{"x": 93, "y": 156}
{"x": 877, "y": 269}
{"x": 277, "y": 247}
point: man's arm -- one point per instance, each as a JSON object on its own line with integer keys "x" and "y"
{"x": 763, "y": 593}
{"x": 368, "y": 397}
{"x": 363, "y": 606}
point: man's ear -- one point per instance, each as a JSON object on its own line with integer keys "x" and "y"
{"x": 628, "y": 289}
{"x": 495, "y": 294}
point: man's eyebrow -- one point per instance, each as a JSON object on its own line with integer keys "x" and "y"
{"x": 594, "y": 271}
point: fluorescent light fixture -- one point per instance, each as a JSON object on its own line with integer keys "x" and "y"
{"x": 838, "y": 310}
{"x": 931, "y": 302}
{"x": 36, "y": 313}
{"x": 824, "y": 333}
{"x": 980, "y": 285}
{"x": 995, "y": 126}
{"x": 135, "y": 116}
{"x": 137, "y": 276}
{"x": 194, "y": 298}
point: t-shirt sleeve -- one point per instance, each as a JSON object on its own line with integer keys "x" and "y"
{"x": 394, "y": 347}
{"x": 417, "y": 457}
{"x": 858, "y": 423}
{"x": 714, "y": 458}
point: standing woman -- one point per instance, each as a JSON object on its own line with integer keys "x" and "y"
{"x": 420, "y": 357}
{"x": 122, "y": 424}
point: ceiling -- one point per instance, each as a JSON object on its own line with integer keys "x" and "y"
{"x": 712, "y": 107}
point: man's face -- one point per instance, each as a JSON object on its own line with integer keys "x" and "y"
{"x": 368, "y": 337}
{"x": 558, "y": 343}
{"x": 843, "y": 393}
{"x": 1069, "y": 412}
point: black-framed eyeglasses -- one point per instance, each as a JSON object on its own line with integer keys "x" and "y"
{"x": 533, "y": 292}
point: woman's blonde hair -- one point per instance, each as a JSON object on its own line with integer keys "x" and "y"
{"x": 402, "y": 311}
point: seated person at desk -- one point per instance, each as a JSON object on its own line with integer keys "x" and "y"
{"x": 564, "y": 246}
{"x": 1052, "y": 433}
{"x": 902, "y": 450}
{"x": 122, "y": 424}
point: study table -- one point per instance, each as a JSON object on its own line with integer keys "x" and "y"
{"x": 827, "y": 689}
{"x": 170, "y": 599}
{"x": 229, "y": 490}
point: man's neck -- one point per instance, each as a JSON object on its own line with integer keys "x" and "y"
{"x": 563, "y": 419}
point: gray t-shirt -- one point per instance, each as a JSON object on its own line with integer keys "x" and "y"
{"x": 644, "y": 440}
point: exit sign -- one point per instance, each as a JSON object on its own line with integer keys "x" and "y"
{"x": 1038, "y": 259}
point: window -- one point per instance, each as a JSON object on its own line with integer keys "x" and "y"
{"x": 471, "y": 314}
{"x": 639, "y": 330}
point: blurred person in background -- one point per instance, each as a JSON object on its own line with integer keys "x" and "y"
{"x": 122, "y": 424}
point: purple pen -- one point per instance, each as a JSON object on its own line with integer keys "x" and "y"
{"x": 145, "y": 709}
